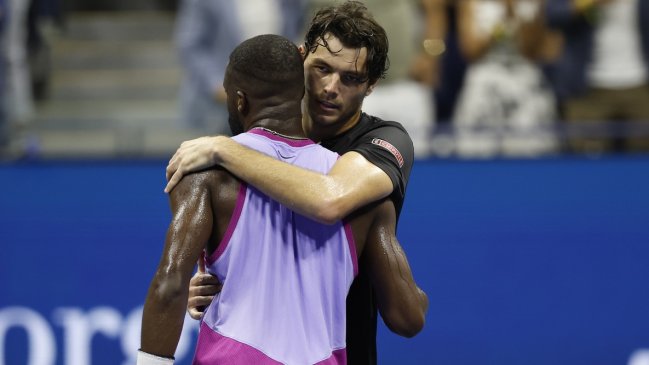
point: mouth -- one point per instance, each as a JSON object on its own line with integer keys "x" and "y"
{"x": 325, "y": 105}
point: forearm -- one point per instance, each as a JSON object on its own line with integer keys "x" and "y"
{"x": 402, "y": 304}
{"x": 325, "y": 198}
{"x": 162, "y": 319}
{"x": 408, "y": 294}
{"x": 473, "y": 44}
{"x": 190, "y": 228}
{"x": 306, "y": 192}
{"x": 435, "y": 20}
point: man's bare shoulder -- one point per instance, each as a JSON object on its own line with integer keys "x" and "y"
{"x": 211, "y": 178}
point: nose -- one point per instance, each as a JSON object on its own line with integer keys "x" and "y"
{"x": 331, "y": 84}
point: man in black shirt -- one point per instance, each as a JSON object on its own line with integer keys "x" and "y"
{"x": 345, "y": 55}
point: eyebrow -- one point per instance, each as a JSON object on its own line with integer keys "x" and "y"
{"x": 354, "y": 73}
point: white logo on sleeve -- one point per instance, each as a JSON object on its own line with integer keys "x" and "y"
{"x": 388, "y": 146}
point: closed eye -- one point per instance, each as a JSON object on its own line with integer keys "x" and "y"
{"x": 321, "y": 69}
{"x": 353, "y": 79}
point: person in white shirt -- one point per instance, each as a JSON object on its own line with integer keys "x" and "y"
{"x": 603, "y": 73}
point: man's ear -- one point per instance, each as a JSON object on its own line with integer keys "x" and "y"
{"x": 242, "y": 102}
{"x": 370, "y": 89}
{"x": 302, "y": 50}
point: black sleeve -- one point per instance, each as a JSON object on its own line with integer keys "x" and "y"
{"x": 390, "y": 148}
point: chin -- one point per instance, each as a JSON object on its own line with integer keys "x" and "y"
{"x": 325, "y": 120}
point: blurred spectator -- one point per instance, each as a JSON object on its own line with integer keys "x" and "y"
{"x": 451, "y": 66}
{"x": 405, "y": 95}
{"x": 24, "y": 67}
{"x": 207, "y": 31}
{"x": 440, "y": 65}
{"x": 20, "y": 106}
{"x": 424, "y": 67}
{"x": 603, "y": 73}
{"x": 506, "y": 106}
{"x": 44, "y": 20}
{"x": 4, "y": 127}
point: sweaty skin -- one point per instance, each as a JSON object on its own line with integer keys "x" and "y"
{"x": 337, "y": 81}
{"x": 335, "y": 90}
{"x": 202, "y": 205}
{"x": 203, "y": 202}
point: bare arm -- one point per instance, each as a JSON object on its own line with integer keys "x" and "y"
{"x": 533, "y": 35}
{"x": 402, "y": 304}
{"x": 190, "y": 228}
{"x": 435, "y": 22}
{"x": 352, "y": 182}
{"x": 425, "y": 66}
{"x": 473, "y": 44}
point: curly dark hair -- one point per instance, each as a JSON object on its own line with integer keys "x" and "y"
{"x": 355, "y": 27}
{"x": 269, "y": 58}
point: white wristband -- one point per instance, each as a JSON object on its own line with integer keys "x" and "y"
{"x": 144, "y": 358}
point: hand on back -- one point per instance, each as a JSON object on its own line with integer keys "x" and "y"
{"x": 202, "y": 289}
{"x": 191, "y": 156}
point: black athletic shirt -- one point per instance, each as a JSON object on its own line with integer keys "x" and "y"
{"x": 388, "y": 146}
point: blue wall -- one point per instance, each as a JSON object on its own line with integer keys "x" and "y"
{"x": 524, "y": 262}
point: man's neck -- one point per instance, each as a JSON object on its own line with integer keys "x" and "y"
{"x": 289, "y": 128}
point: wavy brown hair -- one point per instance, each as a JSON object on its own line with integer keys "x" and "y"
{"x": 355, "y": 27}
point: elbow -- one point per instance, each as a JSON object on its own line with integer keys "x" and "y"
{"x": 330, "y": 211}
{"x": 328, "y": 217}
{"x": 405, "y": 324}
{"x": 167, "y": 287}
{"x": 408, "y": 320}
{"x": 412, "y": 328}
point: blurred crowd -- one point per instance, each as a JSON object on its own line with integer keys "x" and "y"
{"x": 24, "y": 59}
{"x": 472, "y": 78}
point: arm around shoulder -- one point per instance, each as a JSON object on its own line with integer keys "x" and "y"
{"x": 352, "y": 182}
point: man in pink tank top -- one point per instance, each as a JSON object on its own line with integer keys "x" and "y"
{"x": 285, "y": 276}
